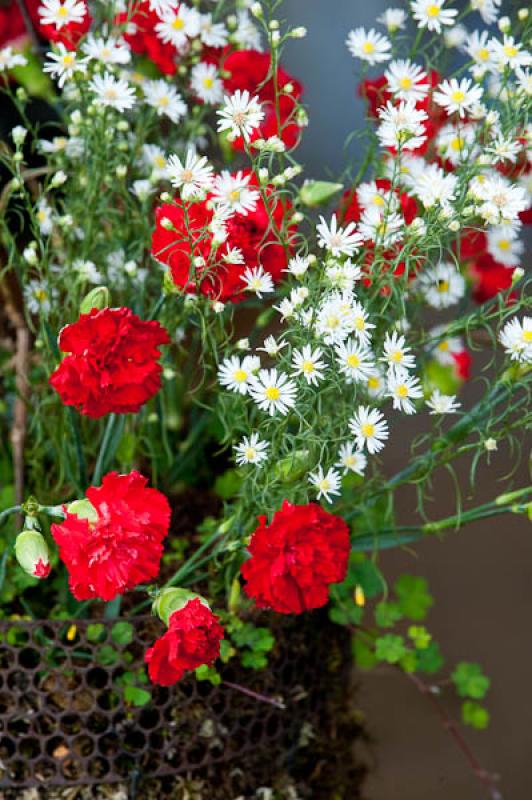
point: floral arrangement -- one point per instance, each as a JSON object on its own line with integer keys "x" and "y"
{"x": 183, "y": 307}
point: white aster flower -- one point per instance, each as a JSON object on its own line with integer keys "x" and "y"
{"x": 192, "y": 176}
{"x": 178, "y": 25}
{"x": 457, "y": 96}
{"x": 343, "y": 276}
{"x": 160, "y": 7}
{"x": 509, "y": 53}
{"x": 393, "y": 18}
{"x": 350, "y": 459}
{"x": 297, "y": 266}
{"x": 376, "y": 383}
{"x": 334, "y": 318}
{"x": 308, "y": 362}
{"x": 232, "y": 192}
{"x": 435, "y": 187}
{"x": 378, "y": 226}
{"x": 112, "y": 92}
{"x": 10, "y": 59}
{"x": 406, "y": 80}
{"x": 442, "y": 403}
{"x": 142, "y": 189}
{"x": 401, "y": 125}
{"x": 477, "y": 48}
{"x": 337, "y": 239}
{"x": 488, "y": 9}
{"x": 504, "y": 245}
{"x": 447, "y": 346}
{"x": 369, "y": 45}
{"x": 87, "y": 270}
{"x": 38, "y": 297}
{"x": 325, "y": 483}
{"x": 397, "y": 354}
{"x": 456, "y": 36}
{"x": 206, "y": 83}
{"x": 359, "y": 320}
{"x": 442, "y": 286}
{"x": 61, "y": 12}
{"x": 455, "y": 143}
{"x": 272, "y": 346}
{"x": 369, "y": 196}
{"x": 432, "y": 15}
{"x": 246, "y": 34}
{"x": 257, "y": 280}
{"x": 236, "y": 374}
{"x": 503, "y": 148}
{"x": 241, "y": 115}
{"x": 251, "y": 450}
{"x": 502, "y": 201}
{"x": 273, "y": 391}
{"x": 45, "y": 217}
{"x": 354, "y": 360}
{"x": 63, "y": 64}
{"x": 516, "y": 338}
{"x": 108, "y": 50}
{"x": 524, "y": 79}
{"x": 233, "y": 255}
{"x": 403, "y": 388}
{"x": 212, "y": 34}
{"x": 369, "y": 428}
{"x": 154, "y": 159}
{"x": 166, "y": 100}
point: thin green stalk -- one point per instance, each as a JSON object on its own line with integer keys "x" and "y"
{"x": 103, "y": 452}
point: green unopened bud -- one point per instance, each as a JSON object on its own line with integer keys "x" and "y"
{"x": 292, "y": 467}
{"x": 316, "y": 193}
{"x": 83, "y": 509}
{"x": 99, "y": 298}
{"x": 171, "y": 600}
{"x": 31, "y": 552}
{"x": 234, "y": 596}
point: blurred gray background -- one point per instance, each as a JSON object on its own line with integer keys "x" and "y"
{"x": 481, "y": 578}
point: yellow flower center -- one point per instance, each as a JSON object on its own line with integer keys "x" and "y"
{"x": 62, "y": 12}
{"x": 353, "y": 361}
{"x": 378, "y": 200}
{"x": 178, "y": 24}
{"x": 250, "y": 453}
{"x": 443, "y": 286}
{"x": 234, "y": 195}
{"x": 527, "y": 336}
{"x": 367, "y": 429}
{"x": 405, "y": 83}
{"x": 208, "y": 83}
{"x": 240, "y": 375}
{"x": 483, "y": 54}
{"x": 504, "y": 244}
{"x": 333, "y": 322}
{"x": 160, "y": 162}
{"x": 401, "y": 390}
{"x": 396, "y": 356}
{"x": 359, "y": 323}
{"x": 308, "y": 367}
{"x": 456, "y": 144}
{"x": 41, "y": 216}
{"x": 368, "y": 47}
{"x": 373, "y": 383}
{"x": 40, "y": 295}
{"x": 443, "y": 346}
{"x": 164, "y": 101}
{"x": 68, "y": 59}
{"x": 272, "y": 393}
{"x": 458, "y": 96}
{"x": 433, "y": 10}
{"x": 510, "y": 50}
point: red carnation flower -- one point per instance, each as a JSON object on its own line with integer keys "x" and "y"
{"x": 190, "y": 238}
{"x": 142, "y": 37}
{"x": 192, "y": 639}
{"x": 114, "y": 543}
{"x": 250, "y": 69}
{"x": 69, "y": 34}
{"x": 295, "y": 558}
{"x": 112, "y": 366}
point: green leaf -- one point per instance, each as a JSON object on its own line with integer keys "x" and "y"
{"x": 95, "y": 631}
{"x": 228, "y": 484}
{"x": 227, "y": 651}
{"x": 252, "y": 659}
{"x": 136, "y": 696}
{"x": 475, "y": 715}
{"x": 363, "y": 654}
{"x": 387, "y": 614}
{"x": 390, "y": 648}
{"x": 470, "y": 681}
{"x": 205, "y": 673}
{"x": 122, "y": 633}
{"x": 420, "y": 636}
{"x": 430, "y": 659}
{"x": 107, "y": 655}
{"x": 413, "y": 596}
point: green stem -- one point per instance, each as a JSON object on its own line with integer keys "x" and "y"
{"x": 112, "y": 608}
{"x": 103, "y": 452}
{"x": 82, "y": 468}
{"x": 8, "y": 511}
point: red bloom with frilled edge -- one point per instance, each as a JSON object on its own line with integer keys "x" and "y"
{"x": 112, "y": 366}
{"x": 250, "y": 69}
{"x": 190, "y": 238}
{"x": 295, "y": 558}
{"x": 114, "y": 542}
{"x": 192, "y": 639}
{"x": 140, "y": 34}
{"x": 489, "y": 277}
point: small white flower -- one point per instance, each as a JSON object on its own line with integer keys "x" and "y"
{"x": 503, "y": 201}
{"x": 232, "y": 192}
{"x": 488, "y": 9}
{"x": 393, "y": 18}
{"x": 206, "y": 83}
{"x": 403, "y": 388}
{"x": 457, "y": 96}
{"x": 212, "y": 34}
{"x": 193, "y": 176}
{"x": 19, "y": 134}
{"x": 504, "y": 148}
{"x": 504, "y": 245}
{"x": 325, "y": 484}
{"x": 407, "y": 81}
{"x": 236, "y": 374}
{"x": 297, "y": 266}
{"x": 343, "y": 276}
{"x": 334, "y": 318}
{"x": 369, "y": 45}
{"x": 434, "y": 187}
{"x": 361, "y": 326}
{"x": 271, "y": 346}
{"x": 154, "y": 159}
{"x": 178, "y": 25}
{"x": 61, "y": 12}
{"x": 257, "y": 280}
{"x": 376, "y": 384}
{"x": 442, "y": 286}
{"x": 442, "y": 403}
{"x": 63, "y": 64}
{"x": 509, "y": 53}
{"x": 112, "y": 92}
{"x": 376, "y": 225}
{"x": 142, "y": 189}
{"x": 455, "y": 143}
{"x": 241, "y": 115}
{"x": 87, "y": 271}
{"x": 516, "y": 338}
{"x": 233, "y": 255}
{"x": 354, "y": 360}
{"x": 336, "y": 239}
{"x": 308, "y": 362}
{"x": 401, "y": 125}
{"x": 44, "y": 216}
{"x": 273, "y": 391}
{"x": 38, "y": 297}
{"x": 251, "y": 450}
{"x": 246, "y": 35}
{"x": 369, "y": 428}
{"x": 397, "y": 354}
{"x": 106, "y": 51}
{"x": 430, "y": 14}
{"x": 351, "y": 460}
{"x": 490, "y": 445}
{"x": 10, "y": 59}
{"x": 166, "y": 100}
{"x": 477, "y": 48}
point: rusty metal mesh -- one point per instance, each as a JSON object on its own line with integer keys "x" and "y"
{"x": 65, "y": 718}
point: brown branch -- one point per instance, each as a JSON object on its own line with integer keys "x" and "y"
{"x": 262, "y": 698}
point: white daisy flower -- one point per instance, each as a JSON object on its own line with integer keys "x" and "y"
{"x": 236, "y": 374}
{"x": 160, "y": 7}
{"x": 166, "y": 100}
{"x": 393, "y": 18}
{"x": 112, "y": 92}
{"x": 369, "y": 428}
{"x": 212, "y": 34}
{"x": 509, "y": 53}
{"x": 351, "y": 460}
{"x": 273, "y": 391}
{"x": 297, "y": 266}
{"x": 442, "y": 403}
{"x": 403, "y": 388}
{"x": 524, "y": 79}
{"x": 503, "y": 201}
{"x": 325, "y": 483}
{"x": 354, "y": 360}
{"x": 504, "y": 245}
{"x": 45, "y": 217}
{"x": 477, "y": 48}
{"x": 308, "y": 362}
{"x": 457, "y": 96}
{"x": 154, "y": 158}
{"x": 63, "y": 65}
{"x": 401, "y": 125}
{"x": 370, "y": 196}
{"x": 447, "y": 346}
{"x": 516, "y": 338}
{"x": 257, "y": 280}
{"x": 343, "y": 276}
{"x": 334, "y": 318}
{"x": 61, "y": 12}
{"x": 378, "y": 226}
{"x": 233, "y": 192}
{"x": 233, "y": 255}
{"x": 192, "y": 176}
{"x": 503, "y": 148}
{"x": 435, "y": 187}
{"x": 397, "y": 354}
{"x": 272, "y": 346}
{"x": 432, "y": 15}
{"x": 369, "y": 45}
{"x": 206, "y": 83}
{"x": 406, "y": 80}
{"x": 488, "y": 9}
{"x": 455, "y": 37}
{"x": 178, "y": 25}
{"x": 246, "y": 34}
{"x": 241, "y": 115}
{"x": 442, "y": 286}
{"x": 376, "y": 383}
{"x": 10, "y": 59}
{"x": 359, "y": 319}
{"x": 251, "y": 450}
{"x": 456, "y": 143}
{"x": 87, "y": 270}
{"x": 336, "y": 239}
{"x": 108, "y": 50}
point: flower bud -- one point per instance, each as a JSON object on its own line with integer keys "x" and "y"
{"x": 504, "y": 24}
{"x": 31, "y": 552}
{"x": 298, "y": 33}
{"x": 170, "y": 600}
{"x": 523, "y": 14}
{"x": 316, "y": 193}
{"x": 83, "y": 509}
{"x": 517, "y": 274}
{"x": 99, "y": 298}
{"x": 167, "y": 224}
{"x": 19, "y": 134}
{"x": 256, "y": 10}
{"x": 121, "y": 171}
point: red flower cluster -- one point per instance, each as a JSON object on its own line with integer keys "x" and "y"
{"x": 142, "y": 37}
{"x": 117, "y": 543}
{"x": 12, "y": 26}
{"x": 251, "y": 233}
{"x": 489, "y": 276}
{"x": 192, "y": 639}
{"x": 249, "y": 69}
{"x": 112, "y": 366}
{"x": 69, "y": 34}
{"x": 295, "y": 558}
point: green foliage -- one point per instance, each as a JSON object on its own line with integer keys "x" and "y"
{"x": 429, "y": 659}
{"x": 122, "y": 633}
{"x": 390, "y": 648}
{"x": 413, "y": 597}
{"x": 475, "y": 715}
{"x": 387, "y": 614}
{"x": 470, "y": 681}
{"x": 206, "y": 673}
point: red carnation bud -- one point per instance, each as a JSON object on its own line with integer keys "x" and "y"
{"x": 31, "y": 552}
{"x": 295, "y": 558}
{"x": 192, "y": 639}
